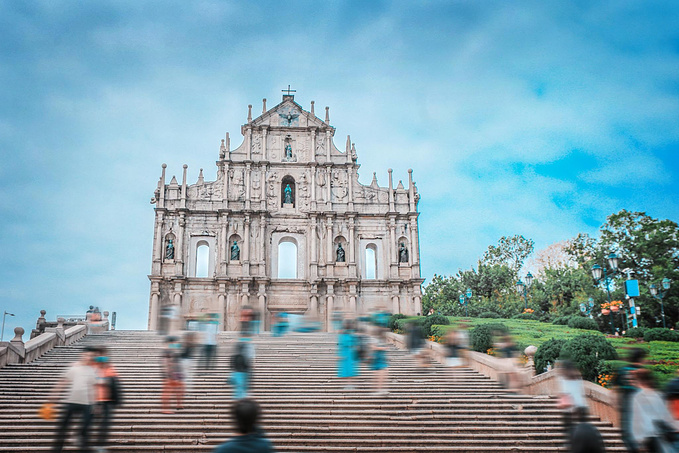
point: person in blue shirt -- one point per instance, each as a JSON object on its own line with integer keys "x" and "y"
{"x": 250, "y": 438}
{"x": 347, "y": 345}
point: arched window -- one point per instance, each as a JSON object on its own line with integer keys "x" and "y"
{"x": 287, "y": 259}
{"x": 202, "y": 260}
{"x": 371, "y": 262}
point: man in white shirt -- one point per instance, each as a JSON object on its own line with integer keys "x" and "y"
{"x": 77, "y": 388}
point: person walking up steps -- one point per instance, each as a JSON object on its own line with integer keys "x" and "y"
{"x": 173, "y": 384}
{"x": 250, "y": 438}
{"x": 379, "y": 363}
{"x": 346, "y": 350}
{"x": 108, "y": 396}
{"x": 78, "y": 382}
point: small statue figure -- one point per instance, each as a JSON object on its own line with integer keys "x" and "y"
{"x": 288, "y": 151}
{"x": 288, "y": 194}
{"x": 403, "y": 253}
{"x": 169, "y": 250}
{"x": 235, "y": 251}
{"x": 340, "y": 253}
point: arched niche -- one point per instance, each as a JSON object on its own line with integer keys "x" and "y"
{"x": 338, "y": 242}
{"x": 230, "y": 249}
{"x": 201, "y": 256}
{"x": 169, "y": 248}
{"x": 288, "y": 181}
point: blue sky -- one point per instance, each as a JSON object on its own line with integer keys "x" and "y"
{"x": 534, "y": 118}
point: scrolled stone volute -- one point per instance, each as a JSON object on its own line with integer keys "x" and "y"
{"x": 18, "y": 334}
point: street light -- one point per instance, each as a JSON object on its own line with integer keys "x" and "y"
{"x": 600, "y": 275}
{"x": 2, "y": 335}
{"x": 659, "y": 295}
{"x": 523, "y": 288}
{"x": 465, "y": 300}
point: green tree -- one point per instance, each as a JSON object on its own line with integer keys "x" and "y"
{"x": 510, "y": 251}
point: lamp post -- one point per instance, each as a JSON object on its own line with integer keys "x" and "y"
{"x": 2, "y": 335}
{"x": 465, "y": 300}
{"x": 523, "y": 288}
{"x": 587, "y": 309}
{"x": 659, "y": 295}
{"x": 600, "y": 275}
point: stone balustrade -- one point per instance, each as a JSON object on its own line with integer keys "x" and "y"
{"x": 602, "y": 402}
{"x": 16, "y": 351}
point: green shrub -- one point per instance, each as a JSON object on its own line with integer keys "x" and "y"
{"x": 580, "y": 322}
{"x": 402, "y": 324}
{"x": 481, "y": 337}
{"x": 586, "y": 351}
{"x": 392, "y": 320}
{"x": 430, "y": 321}
{"x": 636, "y": 332}
{"x": 439, "y": 330}
{"x": 561, "y": 320}
{"x": 660, "y": 334}
{"x": 489, "y": 314}
{"x": 548, "y": 352}
{"x": 528, "y": 316}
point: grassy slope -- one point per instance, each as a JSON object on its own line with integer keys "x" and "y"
{"x": 663, "y": 355}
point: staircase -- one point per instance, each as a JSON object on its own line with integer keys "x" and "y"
{"x": 305, "y": 408}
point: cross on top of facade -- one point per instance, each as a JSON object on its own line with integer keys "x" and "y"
{"x": 288, "y": 91}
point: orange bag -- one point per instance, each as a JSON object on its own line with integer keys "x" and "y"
{"x": 47, "y": 411}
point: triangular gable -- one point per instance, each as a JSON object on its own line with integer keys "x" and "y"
{"x": 287, "y": 114}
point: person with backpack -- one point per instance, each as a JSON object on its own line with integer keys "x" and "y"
{"x": 241, "y": 366}
{"x": 626, "y": 386}
{"x": 108, "y": 395}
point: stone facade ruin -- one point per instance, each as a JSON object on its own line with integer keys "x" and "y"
{"x": 286, "y": 190}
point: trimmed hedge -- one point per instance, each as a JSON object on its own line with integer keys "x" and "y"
{"x": 580, "y": 322}
{"x": 548, "y": 352}
{"x": 402, "y": 324}
{"x": 392, "y": 320}
{"x": 432, "y": 320}
{"x": 586, "y": 351}
{"x": 481, "y": 337}
{"x": 561, "y": 321}
{"x": 660, "y": 334}
{"x": 636, "y": 332}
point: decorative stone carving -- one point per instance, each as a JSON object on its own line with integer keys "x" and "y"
{"x": 256, "y": 185}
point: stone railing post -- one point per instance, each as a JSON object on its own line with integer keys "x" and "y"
{"x": 530, "y": 364}
{"x": 61, "y": 336}
{"x": 107, "y": 323}
{"x": 17, "y": 342}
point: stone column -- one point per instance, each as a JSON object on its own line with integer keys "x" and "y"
{"x": 262, "y": 245}
{"x": 313, "y": 259}
{"x": 225, "y": 187}
{"x": 329, "y": 249}
{"x": 248, "y": 178}
{"x": 394, "y": 300}
{"x": 261, "y": 303}
{"x": 393, "y": 249}
{"x": 313, "y": 187}
{"x": 350, "y": 187}
{"x": 313, "y": 302}
{"x": 265, "y": 153}
{"x": 154, "y": 308}
{"x": 179, "y": 246}
{"x": 414, "y": 248}
{"x": 328, "y": 185}
{"x": 248, "y": 144}
{"x": 158, "y": 246}
{"x": 352, "y": 248}
{"x": 245, "y": 258}
{"x": 224, "y": 243}
{"x": 330, "y": 307}
{"x": 313, "y": 144}
{"x": 221, "y": 303}
{"x": 327, "y": 148}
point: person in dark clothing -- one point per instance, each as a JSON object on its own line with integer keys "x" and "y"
{"x": 587, "y": 439}
{"x": 251, "y": 439}
{"x": 626, "y": 386}
{"x": 416, "y": 343}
